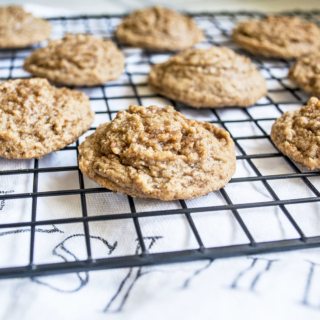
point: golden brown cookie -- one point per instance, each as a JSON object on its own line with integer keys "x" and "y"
{"x": 214, "y": 77}
{"x": 277, "y": 36}
{"x": 37, "y": 118}
{"x": 158, "y": 153}
{"x": 77, "y": 59}
{"x": 159, "y": 29}
{"x": 20, "y": 29}
{"x": 306, "y": 73}
{"x": 297, "y": 134}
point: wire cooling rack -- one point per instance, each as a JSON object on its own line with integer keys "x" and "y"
{"x": 54, "y": 220}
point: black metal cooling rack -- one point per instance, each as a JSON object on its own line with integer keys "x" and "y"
{"x": 10, "y": 67}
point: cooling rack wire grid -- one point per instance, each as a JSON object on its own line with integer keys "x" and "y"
{"x": 54, "y": 220}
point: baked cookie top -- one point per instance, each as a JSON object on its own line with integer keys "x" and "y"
{"x": 213, "y": 77}
{"x": 77, "y": 59}
{"x": 297, "y": 134}
{"x": 159, "y": 29}
{"x": 306, "y": 73}
{"x": 20, "y": 29}
{"x": 158, "y": 153}
{"x": 37, "y": 118}
{"x": 277, "y": 36}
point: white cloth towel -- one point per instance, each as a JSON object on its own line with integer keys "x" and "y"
{"x": 270, "y": 286}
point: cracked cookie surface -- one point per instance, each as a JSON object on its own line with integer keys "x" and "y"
{"x": 20, "y": 29}
{"x": 37, "y": 118}
{"x": 306, "y": 74}
{"x": 214, "y": 77}
{"x": 158, "y": 153}
{"x": 77, "y": 60}
{"x": 297, "y": 134}
{"x": 159, "y": 29}
{"x": 277, "y": 36}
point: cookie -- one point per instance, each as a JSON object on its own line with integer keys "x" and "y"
{"x": 20, "y": 29}
{"x": 158, "y": 153}
{"x": 277, "y": 36}
{"x": 77, "y": 60}
{"x": 37, "y": 118}
{"x": 214, "y": 77}
{"x": 159, "y": 29}
{"x": 297, "y": 134}
{"x": 306, "y": 73}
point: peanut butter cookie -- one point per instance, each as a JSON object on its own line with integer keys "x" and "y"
{"x": 306, "y": 73}
{"x": 159, "y": 29}
{"x": 297, "y": 134}
{"x": 20, "y": 29}
{"x": 77, "y": 60}
{"x": 37, "y": 118}
{"x": 214, "y": 77}
{"x": 277, "y": 36}
{"x": 158, "y": 153}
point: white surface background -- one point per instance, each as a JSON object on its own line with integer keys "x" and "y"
{"x": 121, "y": 6}
{"x": 273, "y": 286}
